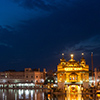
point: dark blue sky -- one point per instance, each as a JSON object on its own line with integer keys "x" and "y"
{"x": 34, "y": 33}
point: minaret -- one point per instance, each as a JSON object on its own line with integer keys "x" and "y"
{"x": 82, "y": 55}
{"x": 92, "y": 65}
{"x": 83, "y": 62}
{"x": 62, "y": 55}
{"x": 62, "y": 60}
{"x": 82, "y": 59}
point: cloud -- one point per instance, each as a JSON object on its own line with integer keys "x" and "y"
{"x": 36, "y": 4}
{"x": 6, "y": 36}
{"x": 87, "y": 46}
{"x": 6, "y": 45}
{"x": 8, "y": 27}
{"x": 46, "y": 5}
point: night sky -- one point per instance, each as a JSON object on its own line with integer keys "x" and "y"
{"x": 34, "y": 33}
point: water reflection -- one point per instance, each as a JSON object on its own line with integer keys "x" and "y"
{"x": 74, "y": 97}
{"x": 21, "y": 94}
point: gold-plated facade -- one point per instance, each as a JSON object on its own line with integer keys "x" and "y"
{"x": 72, "y": 72}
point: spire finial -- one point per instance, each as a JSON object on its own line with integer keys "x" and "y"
{"x": 82, "y": 54}
{"x": 62, "y": 55}
{"x": 72, "y": 56}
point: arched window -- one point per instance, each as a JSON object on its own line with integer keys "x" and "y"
{"x": 73, "y": 77}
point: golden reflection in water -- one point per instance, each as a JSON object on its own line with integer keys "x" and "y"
{"x": 74, "y": 97}
{"x": 77, "y": 97}
{"x": 41, "y": 95}
{"x": 70, "y": 97}
{"x": 21, "y": 94}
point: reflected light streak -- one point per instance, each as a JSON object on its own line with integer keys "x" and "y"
{"x": 3, "y": 96}
{"x": 31, "y": 94}
{"x": 20, "y": 94}
{"x": 26, "y": 94}
{"x": 43, "y": 96}
{"x": 15, "y": 96}
{"x": 35, "y": 96}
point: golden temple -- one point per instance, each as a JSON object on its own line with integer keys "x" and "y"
{"x": 72, "y": 75}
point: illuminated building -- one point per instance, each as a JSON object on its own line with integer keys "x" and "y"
{"x": 51, "y": 79}
{"x": 26, "y": 78}
{"x": 34, "y": 76}
{"x": 72, "y": 75}
{"x": 97, "y": 76}
{"x": 91, "y": 79}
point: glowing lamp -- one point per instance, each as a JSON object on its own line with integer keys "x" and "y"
{"x": 62, "y": 54}
{"x": 72, "y": 56}
{"x": 82, "y": 54}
